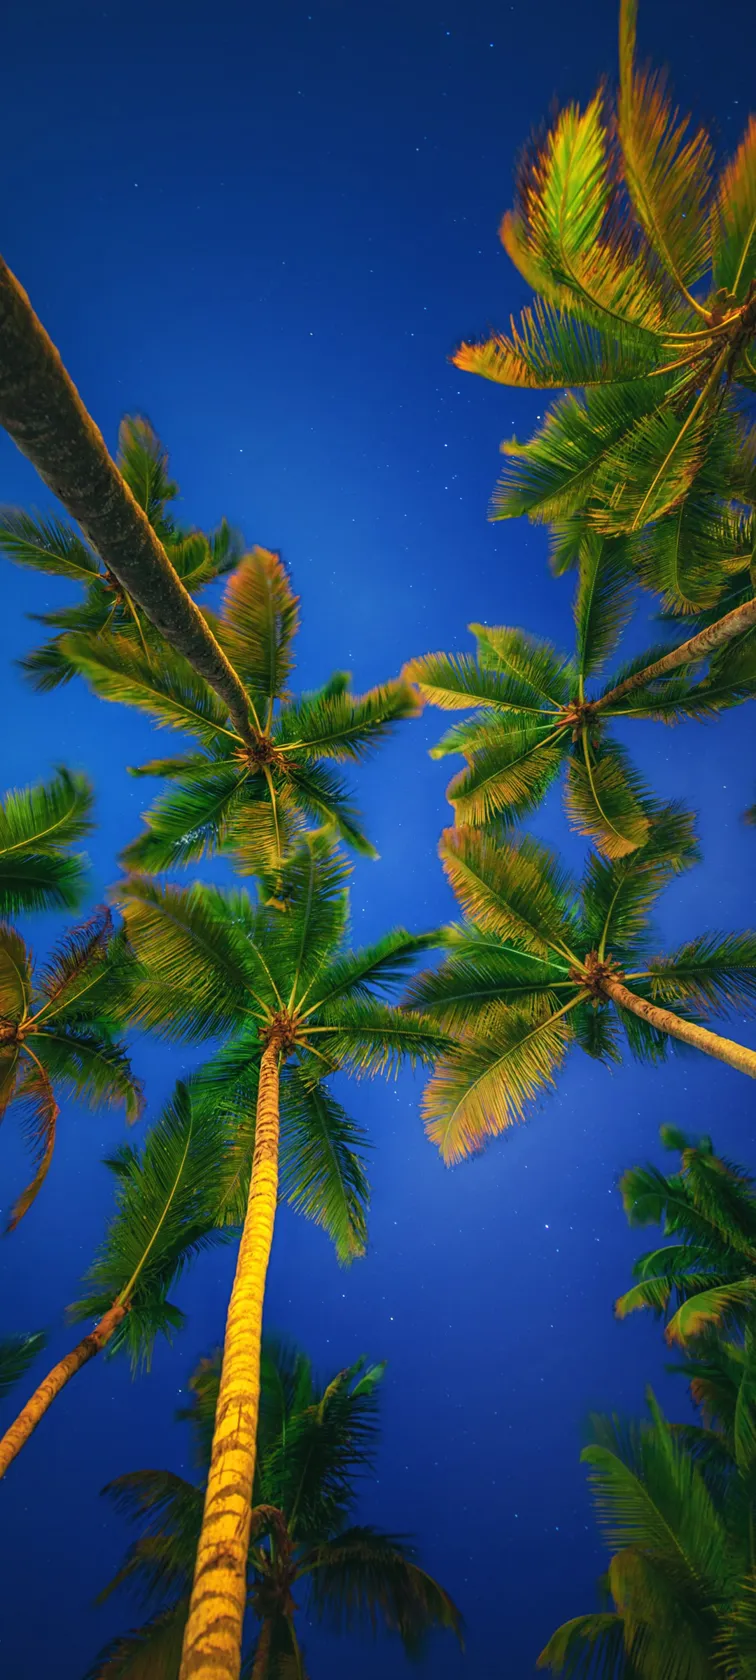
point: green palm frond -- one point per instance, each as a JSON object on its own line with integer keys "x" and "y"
{"x": 728, "y": 1304}
{"x": 618, "y": 896}
{"x": 510, "y": 769}
{"x": 478, "y": 972}
{"x": 486, "y": 1083}
{"x": 258, "y": 621}
{"x": 46, "y": 545}
{"x": 198, "y": 972}
{"x": 711, "y": 974}
{"x": 324, "y": 799}
{"x": 204, "y": 812}
{"x": 573, "y": 461}
{"x": 165, "y": 1197}
{"x": 313, "y": 887}
{"x": 322, "y": 1171}
{"x": 149, "y": 1652}
{"x": 343, "y": 726}
{"x": 518, "y": 891}
{"x": 546, "y": 350}
{"x": 371, "y": 970}
{"x": 34, "y": 1097}
{"x": 38, "y": 826}
{"x": 606, "y": 800}
{"x": 363, "y": 1579}
{"x": 143, "y": 462}
{"x": 588, "y": 1647}
{"x": 166, "y": 687}
{"x": 734, "y": 220}
{"x": 17, "y": 1353}
{"x": 603, "y": 602}
{"x": 366, "y": 1037}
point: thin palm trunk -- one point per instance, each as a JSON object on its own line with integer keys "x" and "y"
{"x": 724, "y": 1049}
{"x": 698, "y": 647}
{"x": 213, "y": 1636}
{"x": 24, "y": 1425}
{"x": 262, "y": 1654}
{"x": 44, "y": 414}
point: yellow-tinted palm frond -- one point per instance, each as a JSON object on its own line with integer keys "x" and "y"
{"x": 489, "y": 1081}
{"x": 577, "y": 453}
{"x": 510, "y": 773}
{"x": 518, "y": 891}
{"x": 668, "y": 167}
{"x": 259, "y": 618}
{"x": 604, "y": 800}
{"x": 734, "y": 220}
{"x": 651, "y": 468}
{"x": 547, "y": 350}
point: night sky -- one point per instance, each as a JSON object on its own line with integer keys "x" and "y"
{"x": 266, "y": 227}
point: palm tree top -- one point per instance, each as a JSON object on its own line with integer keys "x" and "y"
{"x": 316, "y": 1439}
{"x": 535, "y": 966}
{"x": 644, "y": 266}
{"x": 39, "y": 826}
{"x": 251, "y": 797}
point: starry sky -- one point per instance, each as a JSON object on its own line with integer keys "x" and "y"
{"x": 266, "y": 227}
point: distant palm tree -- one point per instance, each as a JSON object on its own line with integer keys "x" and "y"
{"x": 708, "y": 1275}
{"x": 58, "y": 1032}
{"x": 541, "y": 964}
{"x": 17, "y": 1353}
{"x": 166, "y": 1203}
{"x": 278, "y": 975}
{"x": 645, "y": 268}
{"x": 533, "y": 716}
{"x": 52, "y": 545}
{"x": 38, "y": 827}
{"x": 314, "y": 1441}
{"x": 251, "y": 799}
{"x": 676, "y": 1505}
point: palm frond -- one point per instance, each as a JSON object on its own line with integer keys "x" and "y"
{"x": 198, "y": 972}
{"x": 365, "y": 1579}
{"x": 372, "y": 969}
{"x": 711, "y": 974}
{"x": 259, "y": 619}
{"x": 480, "y": 971}
{"x": 322, "y": 1163}
{"x": 617, "y": 896}
{"x": 166, "y": 687}
{"x": 324, "y": 799}
{"x": 511, "y": 766}
{"x": 721, "y": 1306}
{"x": 367, "y": 1037}
{"x": 588, "y": 1647}
{"x": 168, "y": 1512}
{"x": 488, "y": 1080}
{"x": 143, "y": 462}
{"x": 547, "y": 350}
{"x": 17, "y": 1353}
{"x": 574, "y": 455}
{"x": 603, "y": 602}
{"x": 46, "y": 545}
{"x": 40, "y": 1113}
{"x": 313, "y": 886}
{"x": 199, "y": 816}
{"x": 606, "y": 800}
{"x": 149, "y": 1652}
{"x": 517, "y": 891}
{"x": 734, "y": 220}
{"x": 37, "y": 826}
{"x": 343, "y": 726}
{"x": 15, "y": 976}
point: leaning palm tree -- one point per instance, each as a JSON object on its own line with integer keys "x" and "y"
{"x": 166, "y": 1199}
{"x": 249, "y": 797}
{"x": 644, "y": 266}
{"x": 541, "y": 964}
{"x": 55, "y": 546}
{"x": 280, "y": 977}
{"x": 59, "y": 1033}
{"x": 314, "y": 1440}
{"x": 533, "y": 717}
{"x": 38, "y": 827}
{"x": 707, "y": 1276}
{"x": 676, "y": 1506}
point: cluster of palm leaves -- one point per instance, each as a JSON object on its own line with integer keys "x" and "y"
{"x": 676, "y": 1503}
{"x": 314, "y": 1441}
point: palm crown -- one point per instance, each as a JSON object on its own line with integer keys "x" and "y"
{"x": 252, "y": 798}
{"x": 314, "y": 1440}
{"x": 38, "y": 827}
{"x": 53, "y": 546}
{"x": 644, "y": 265}
{"x": 533, "y": 716}
{"x": 218, "y": 963}
{"x": 58, "y": 1033}
{"x": 707, "y": 1276}
{"x": 541, "y": 964}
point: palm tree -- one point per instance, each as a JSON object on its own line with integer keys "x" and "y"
{"x": 251, "y": 798}
{"x": 645, "y": 270}
{"x": 533, "y": 716}
{"x": 166, "y": 1197}
{"x": 38, "y": 827}
{"x": 301, "y": 1006}
{"x": 540, "y": 965}
{"x": 677, "y": 1506}
{"x": 58, "y": 1032}
{"x": 42, "y": 411}
{"x": 54, "y": 546}
{"x": 708, "y": 1275}
{"x": 314, "y": 1439}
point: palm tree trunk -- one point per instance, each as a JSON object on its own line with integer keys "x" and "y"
{"x": 44, "y": 414}
{"x": 213, "y": 1636}
{"x": 724, "y": 1049}
{"x": 34, "y": 1410}
{"x": 688, "y": 653}
{"x": 262, "y": 1654}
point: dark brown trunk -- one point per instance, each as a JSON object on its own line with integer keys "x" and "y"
{"x": 44, "y": 414}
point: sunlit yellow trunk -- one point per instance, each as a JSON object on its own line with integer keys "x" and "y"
{"x": 34, "y": 1410}
{"x": 713, "y": 1044}
{"x": 213, "y": 1636}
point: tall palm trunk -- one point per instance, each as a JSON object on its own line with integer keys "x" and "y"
{"x": 698, "y": 647}
{"x": 24, "y": 1425}
{"x": 724, "y": 1049}
{"x": 262, "y": 1654}
{"x": 213, "y": 1636}
{"x": 41, "y": 409}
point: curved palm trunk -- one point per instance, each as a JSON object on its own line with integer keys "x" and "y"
{"x": 724, "y": 1049}
{"x": 697, "y": 647}
{"x": 262, "y": 1654}
{"x": 213, "y": 1636}
{"x": 16, "y": 1437}
{"x": 44, "y": 414}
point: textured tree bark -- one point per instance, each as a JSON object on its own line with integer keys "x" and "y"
{"x": 213, "y": 1637}
{"x": 697, "y": 647}
{"x": 44, "y": 414}
{"x": 724, "y": 1049}
{"x": 262, "y": 1654}
{"x": 34, "y": 1410}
